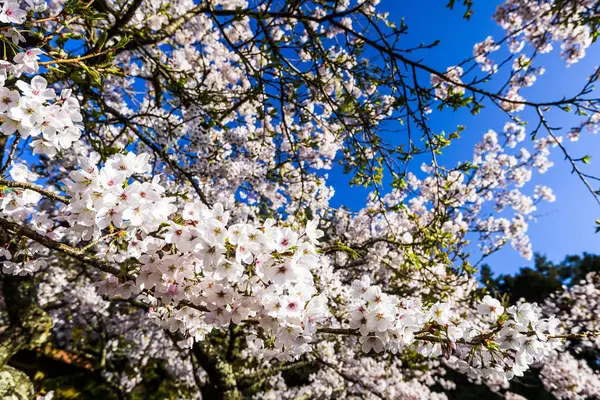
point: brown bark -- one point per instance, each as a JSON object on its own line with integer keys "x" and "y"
{"x": 29, "y": 327}
{"x": 223, "y": 384}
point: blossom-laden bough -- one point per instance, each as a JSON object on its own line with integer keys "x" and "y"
{"x": 171, "y": 198}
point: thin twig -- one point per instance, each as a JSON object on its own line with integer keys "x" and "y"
{"x": 11, "y": 154}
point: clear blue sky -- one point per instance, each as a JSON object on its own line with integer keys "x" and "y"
{"x": 563, "y": 227}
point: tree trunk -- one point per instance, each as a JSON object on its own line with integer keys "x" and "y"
{"x": 29, "y": 327}
{"x": 223, "y": 385}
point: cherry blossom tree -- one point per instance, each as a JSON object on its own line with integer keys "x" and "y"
{"x": 165, "y": 205}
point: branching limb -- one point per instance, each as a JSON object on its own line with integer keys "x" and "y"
{"x": 35, "y": 188}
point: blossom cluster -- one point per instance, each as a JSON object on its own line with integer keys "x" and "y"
{"x": 569, "y": 378}
{"x": 448, "y": 85}
{"x": 32, "y": 108}
{"x": 497, "y": 343}
{"x": 233, "y": 273}
{"x": 108, "y": 197}
{"x": 482, "y": 50}
{"x": 579, "y": 307}
{"x": 15, "y": 12}
{"x": 354, "y": 374}
{"x": 22, "y": 205}
{"x": 53, "y": 125}
{"x": 540, "y": 24}
{"x": 543, "y": 22}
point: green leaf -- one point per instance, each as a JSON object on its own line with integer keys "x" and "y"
{"x": 102, "y": 40}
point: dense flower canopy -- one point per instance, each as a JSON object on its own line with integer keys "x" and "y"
{"x": 165, "y": 203}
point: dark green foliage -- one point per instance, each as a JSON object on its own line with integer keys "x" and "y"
{"x": 536, "y": 284}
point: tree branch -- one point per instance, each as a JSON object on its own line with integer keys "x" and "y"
{"x": 77, "y": 254}
{"x": 35, "y": 188}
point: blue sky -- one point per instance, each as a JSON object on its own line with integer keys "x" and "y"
{"x": 563, "y": 227}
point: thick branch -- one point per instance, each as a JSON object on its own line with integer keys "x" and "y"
{"x": 21, "y": 230}
{"x": 29, "y": 324}
{"x": 220, "y": 373}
